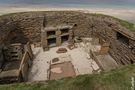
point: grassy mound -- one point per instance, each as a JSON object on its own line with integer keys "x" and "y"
{"x": 114, "y": 80}
{"x": 124, "y": 23}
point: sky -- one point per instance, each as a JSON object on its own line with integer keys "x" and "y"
{"x": 118, "y": 5}
{"x": 74, "y": 3}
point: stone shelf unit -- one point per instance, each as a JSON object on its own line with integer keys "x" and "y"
{"x": 56, "y": 36}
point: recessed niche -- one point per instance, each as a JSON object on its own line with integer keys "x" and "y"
{"x": 123, "y": 39}
{"x": 52, "y": 42}
{"x": 66, "y": 30}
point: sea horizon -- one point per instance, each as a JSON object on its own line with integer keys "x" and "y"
{"x": 55, "y": 5}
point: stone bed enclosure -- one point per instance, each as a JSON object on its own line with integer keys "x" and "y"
{"x": 26, "y": 27}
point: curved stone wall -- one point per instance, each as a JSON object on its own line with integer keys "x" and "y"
{"x": 23, "y": 27}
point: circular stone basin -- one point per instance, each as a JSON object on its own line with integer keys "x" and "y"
{"x": 56, "y": 70}
{"x": 55, "y": 60}
{"x": 61, "y": 50}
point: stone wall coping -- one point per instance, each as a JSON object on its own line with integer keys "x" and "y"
{"x": 127, "y": 33}
{"x": 58, "y": 27}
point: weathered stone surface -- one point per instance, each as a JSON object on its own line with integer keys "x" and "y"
{"x": 1, "y": 57}
{"x": 15, "y": 63}
{"x": 23, "y": 27}
{"x": 62, "y": 50}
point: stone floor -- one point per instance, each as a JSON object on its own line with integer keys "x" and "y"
{"x": 107, "y": 62}
{"x": 81, "y": 61}
{"x": 79, "y": 58}
{"x": 61, "y": 70}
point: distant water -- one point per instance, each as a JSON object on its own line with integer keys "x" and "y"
{"x": 128, "y": 4}
{"x": 111, "y": 6}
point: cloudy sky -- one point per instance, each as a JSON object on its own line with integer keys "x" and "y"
{"x": 72, "y": 2}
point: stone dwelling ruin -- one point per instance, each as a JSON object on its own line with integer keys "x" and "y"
{"x": 55, "y": 36}
{"x": 21, "y": 34}
{"x": 15, "y": 61}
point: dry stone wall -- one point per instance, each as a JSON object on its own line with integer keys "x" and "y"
{"x": 23, "y": 27}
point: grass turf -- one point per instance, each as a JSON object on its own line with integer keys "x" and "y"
{"x": 114, "y": 80}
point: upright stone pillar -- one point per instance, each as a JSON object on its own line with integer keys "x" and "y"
{"x": 44, "y": 42}
{"x": 70, "y": 39}
{"x": 58, "y": 38}
{"x": 29, "y": 50}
